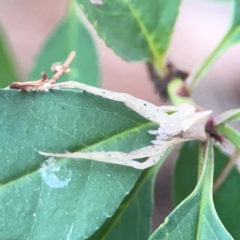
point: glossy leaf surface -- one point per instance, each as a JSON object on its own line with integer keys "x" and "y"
{"x": 195, "y": 217}
{"x": 67, "y": 198}
{"x": 136, "y": 30}
{"x": 228, "y": 208}
{"x": 133, "y": 218}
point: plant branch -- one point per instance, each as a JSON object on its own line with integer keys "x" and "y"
{"x": 224, "y": 174}
{"x": 38, "y": 85}
{"x": 63, "y": 69}
{"x": 195, "y": 77}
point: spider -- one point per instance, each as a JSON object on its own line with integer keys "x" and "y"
{"x": 182, "y": 125}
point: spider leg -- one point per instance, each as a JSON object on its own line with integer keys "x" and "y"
{"x": 121, "y": 158}
{"x": 107, "y": 157}
{"x": 148, "y": 163}
{"x": 144, "y": 108}
{"x": 102, "y": 155}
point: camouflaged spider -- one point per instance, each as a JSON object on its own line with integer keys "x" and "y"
{"x": 182, "y": 125}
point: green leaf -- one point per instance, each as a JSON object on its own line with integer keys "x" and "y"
{"x": 231, "y": 37}
{"x": 8, "y": 66}
{"x": 195, "y": 217}
{"x": 231, "y": 134}
{"x": 136, "y": 30}
{"x": 228, "y": 116}
{"x": 68, "y": 199}
{"x": 187, "y": 166}
{"x": 132, "y": 220}
{"x": 227, "y": 197}
{"x": 70, "y": 35}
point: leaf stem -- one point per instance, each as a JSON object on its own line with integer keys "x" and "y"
{"x": 224, "y": 174}
{"x": 194, "y": 78}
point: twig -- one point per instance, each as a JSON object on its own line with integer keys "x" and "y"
{"x": 39, "y": 84}
{"x": 27, "y": 86}
{"x": 63, "y": 68}
{"x": 225, "y": 172}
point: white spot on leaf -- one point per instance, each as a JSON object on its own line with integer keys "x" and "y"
{"x": 97, "y": 2}
{"x": 48, "y": 171}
